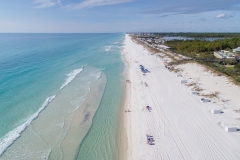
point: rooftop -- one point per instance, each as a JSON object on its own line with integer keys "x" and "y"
{"x": 236, "y": 49}
{"x": 224, "y": 54}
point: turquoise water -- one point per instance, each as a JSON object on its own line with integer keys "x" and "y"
{"x": 44, "y": 73}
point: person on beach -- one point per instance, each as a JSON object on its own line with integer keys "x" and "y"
{"x": 149, "y": 108}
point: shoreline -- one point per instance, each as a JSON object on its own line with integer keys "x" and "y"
{"x": 51, "y": 126}
{"x": 181, "y": 125}
{"x": 123, "y": 140}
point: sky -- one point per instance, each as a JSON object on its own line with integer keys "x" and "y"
{"x": 104, "y": 16}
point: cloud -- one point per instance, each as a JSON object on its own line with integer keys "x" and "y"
{"x": 177, "y": 7}
{"x": 224, "y": 16}
{"x": 93, "y": 3}
{"x": 166, "y": 15}
{"x": 202, "y": 19}
{"x": 47, "y": 3}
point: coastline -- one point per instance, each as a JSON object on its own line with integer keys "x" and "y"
{"x": 182, "y": 126}
{"x": 123, "y": 140}
{"x": 46, "y": 134}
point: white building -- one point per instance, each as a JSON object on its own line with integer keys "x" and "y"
{"x": 163, "y": 47}
{"x": 236, "y": 50}
{"x": 223, "y": 54}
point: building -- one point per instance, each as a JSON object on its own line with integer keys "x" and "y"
{"x": 236, "y": 50}
{"x": 224, "y": 54}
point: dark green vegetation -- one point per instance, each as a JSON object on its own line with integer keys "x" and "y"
{"x": 202, "y": 51}
{"x": 198, "y": 35}
{"x": 203, "y": 48}
{"x": 237, "y": 66}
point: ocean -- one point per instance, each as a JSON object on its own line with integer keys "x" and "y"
{"x": 60, "y": 96}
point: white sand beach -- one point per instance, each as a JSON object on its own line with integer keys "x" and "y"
{"x": 182, "y": 126}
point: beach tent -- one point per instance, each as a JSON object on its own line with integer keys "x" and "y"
{"x": 147, "y": 70}
{"x": 143, "y": 70}
{"x": 231, "y": 129}
{"x": 194, "y": 92}
{"x": 183, "y": 81}
{"x": 178, "y": 75}
{"x": 216, "y": 111}
{"x": 205, "y": 100}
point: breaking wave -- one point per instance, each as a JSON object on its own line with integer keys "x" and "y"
{"x": 108, "y": 48}
{"x": 11, "y": 136}
{"x": 71, "y": 76}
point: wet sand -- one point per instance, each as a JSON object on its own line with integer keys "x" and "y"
{"x": 62, "y": 125}
{"x": 82, "y": 119}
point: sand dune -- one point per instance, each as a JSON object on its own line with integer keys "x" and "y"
{"x": 182, "y": 126}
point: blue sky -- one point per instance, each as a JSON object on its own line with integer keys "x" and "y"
{"x": 70, "y": 16}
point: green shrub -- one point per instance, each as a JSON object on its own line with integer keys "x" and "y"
{"x": 237, "y": 65}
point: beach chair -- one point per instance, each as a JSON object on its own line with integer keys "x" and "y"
{"x": 150, "y": 140}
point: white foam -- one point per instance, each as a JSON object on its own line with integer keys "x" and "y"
{"x": 96, "y": 75}
{"x": 11, "y": 136}
{"x": 71, "y": 76}
{"x": 108, "y": 48}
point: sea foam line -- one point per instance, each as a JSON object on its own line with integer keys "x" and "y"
{"x": 11, "y": 136}
{"x": 108, "y": 48}
{"x": 71, "y": 76}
